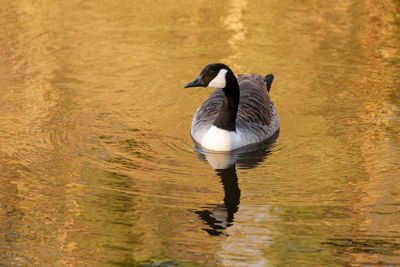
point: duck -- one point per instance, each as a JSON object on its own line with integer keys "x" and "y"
{"x": 238, "y": 113}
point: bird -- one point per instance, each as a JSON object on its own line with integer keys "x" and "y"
{"x": 237, "y": 114}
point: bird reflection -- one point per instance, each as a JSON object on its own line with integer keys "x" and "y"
{"x": 221, "y": 216}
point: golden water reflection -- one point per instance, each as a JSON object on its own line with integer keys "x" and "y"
{"x": 96, "y": 162}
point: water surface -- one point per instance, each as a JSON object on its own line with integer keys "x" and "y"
{"x": 97, "y": 166}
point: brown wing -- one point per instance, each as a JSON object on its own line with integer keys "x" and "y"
{"x": 208, "y": 111}
{"x": 255, "y": 106}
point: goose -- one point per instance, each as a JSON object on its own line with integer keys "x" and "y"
{"x": 238, "y": 113}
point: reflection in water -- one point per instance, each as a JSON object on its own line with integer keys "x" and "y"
{"x": 220, "y": 216}
{"x": 233, "y": 22}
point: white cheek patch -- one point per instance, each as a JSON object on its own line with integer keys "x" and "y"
{"x": 219, "y": 81}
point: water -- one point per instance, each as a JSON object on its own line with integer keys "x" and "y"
{"x": 97, "y": 166}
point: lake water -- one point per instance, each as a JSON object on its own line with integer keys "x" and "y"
{"x": 97, "y": 166}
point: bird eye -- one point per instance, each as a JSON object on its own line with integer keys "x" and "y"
{"x": 213, "y": 72}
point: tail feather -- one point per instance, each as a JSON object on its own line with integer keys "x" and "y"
{"x": 268, "y": 80}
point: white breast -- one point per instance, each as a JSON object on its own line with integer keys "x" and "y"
{"x": 220, "y": 140}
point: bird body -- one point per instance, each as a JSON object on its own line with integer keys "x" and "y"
{"x": 238, "y": 113}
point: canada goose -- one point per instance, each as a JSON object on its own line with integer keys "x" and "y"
{"x": 238, "y": 113}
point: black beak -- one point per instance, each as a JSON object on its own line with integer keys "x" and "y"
{"x": 196, "y": 83}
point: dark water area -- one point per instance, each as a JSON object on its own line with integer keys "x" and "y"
{"x": 97, "y": 166}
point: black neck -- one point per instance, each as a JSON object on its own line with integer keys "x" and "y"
{"x": 226, "y": 119}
